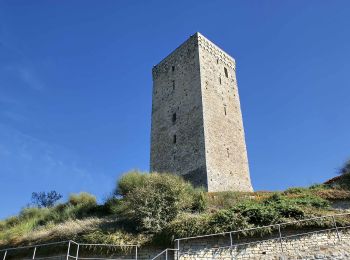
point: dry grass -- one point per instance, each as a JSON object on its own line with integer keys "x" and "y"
{"x": 66, "y": 230}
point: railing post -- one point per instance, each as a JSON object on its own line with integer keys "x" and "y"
{"x": 280, "y": 235}
{"x": 166, "y": 254}
{"x": 336, "y": 227}
{"x": 5, "y": 254}
{"x": 68, "y": 250}
{"x": 177, "y": 249}
{"x": 77, "y": 255}
{"x": 136, "y": 252}
{"x": 34, "y": 253}
{"x": 231, "y": 244}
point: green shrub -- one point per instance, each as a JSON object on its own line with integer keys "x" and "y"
{"x": 186, "y": 225}
{"x": 296, "y": 190}
{"x": 113, "y": 205}
{"x": 12, "y": 221}
{"x": 34, "y": 213}
{"x": 311, "y": 200}
{"x": 158, "y": 199}
{"x": 2, "y": 225}
{"x": 226, "y": 220}
{"x": 346, "y": 168}
{"x": 129, "y": 182}
{"x": 200, "y": 200}
{"x": 82, "y": 198}
{"x": 319, "y": 186}
{"x": 259, "y": 214}
{"x": 290, "y": 211}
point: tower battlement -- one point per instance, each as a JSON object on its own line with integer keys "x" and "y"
{"x": 197, "y": 128}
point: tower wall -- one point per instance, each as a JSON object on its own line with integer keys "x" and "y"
{"x": 195, "y": 98}
{"x": 226, "y": 154}
{"x": 177, "y": 90}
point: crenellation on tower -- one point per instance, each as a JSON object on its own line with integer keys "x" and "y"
{"x": 197, "y": 128}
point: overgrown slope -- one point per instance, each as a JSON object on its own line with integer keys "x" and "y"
{"x": 156, "y": 208}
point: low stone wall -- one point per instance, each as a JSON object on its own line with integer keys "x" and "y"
{"x": 322, "y": 245}
{"x": 342, "y": 205}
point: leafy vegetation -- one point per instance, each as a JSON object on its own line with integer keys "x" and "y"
{"x": 346, "y": 168}
{"x": 45, "y": 199}
{"x": 153, "y": 200}
{"x": 156, "y": 208}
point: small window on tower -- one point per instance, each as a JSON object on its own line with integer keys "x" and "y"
{"x": 174, "y": 139}
{"x": 174, "y": 118}
{"x": 173, "y": 84}
{"x": 220, "y": 81}
{"x": 173, "y": 68}
{"x": 226, "y": 73}
{"x": 225, "y": 111}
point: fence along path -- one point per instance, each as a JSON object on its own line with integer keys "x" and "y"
{"x": 281, "y": 235}
{"x": 66, "y": 250}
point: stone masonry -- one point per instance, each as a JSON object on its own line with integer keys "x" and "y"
{"x": 197, "y": 128}
{"x": 320, "y": 245}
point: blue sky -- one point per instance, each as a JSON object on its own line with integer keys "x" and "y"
{"x": 75, "y": 88}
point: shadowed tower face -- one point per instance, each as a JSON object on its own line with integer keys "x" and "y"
{"x": 197, "y": 129}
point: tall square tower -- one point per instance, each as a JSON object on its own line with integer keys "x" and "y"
{"x": 197, "y": 129}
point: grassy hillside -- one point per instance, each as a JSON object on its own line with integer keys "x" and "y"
{"x": 156, "y": 208}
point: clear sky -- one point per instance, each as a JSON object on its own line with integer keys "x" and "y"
{"x": 75, "y": 88}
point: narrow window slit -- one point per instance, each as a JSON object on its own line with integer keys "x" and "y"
{"x": 226, "y": 72}
{"x": 174, "y": 118}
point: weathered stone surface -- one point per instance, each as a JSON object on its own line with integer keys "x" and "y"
{"x": 197, "y": 128}
{"x": 321, "y": 245}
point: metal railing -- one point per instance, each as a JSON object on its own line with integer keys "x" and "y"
{"x": 280, "y": 236}
{"x": 165, "y": 253}
{"x": 69, "y": 254}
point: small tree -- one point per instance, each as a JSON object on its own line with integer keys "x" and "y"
{"x": 346, "y": 168}
{"x": 45, "y": 199}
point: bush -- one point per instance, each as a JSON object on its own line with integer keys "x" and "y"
{"x": 346, "y": 168}
{"x": 129, "y": 182}
{"x": 12, "y": 221}
{"x": 82, "y": 198}
{"x": 290, "y": 211}
{"x": 311, "y": 200}
{"x": 259, "y": 214}
{"x": 295, "y": 190}
{"x": 186, "y": 225}
{"x": 226, "y": 220}
{"x": 193, "y": 224}
{"x": 155, "y": 199}
{"x": 113, "y": 205}
{"x": 34, "y": 213}
{"x": 200, "y": 200}
{"x": 319, "y": 186}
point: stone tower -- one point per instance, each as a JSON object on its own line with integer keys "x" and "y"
{"x": 197, "y": 129}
